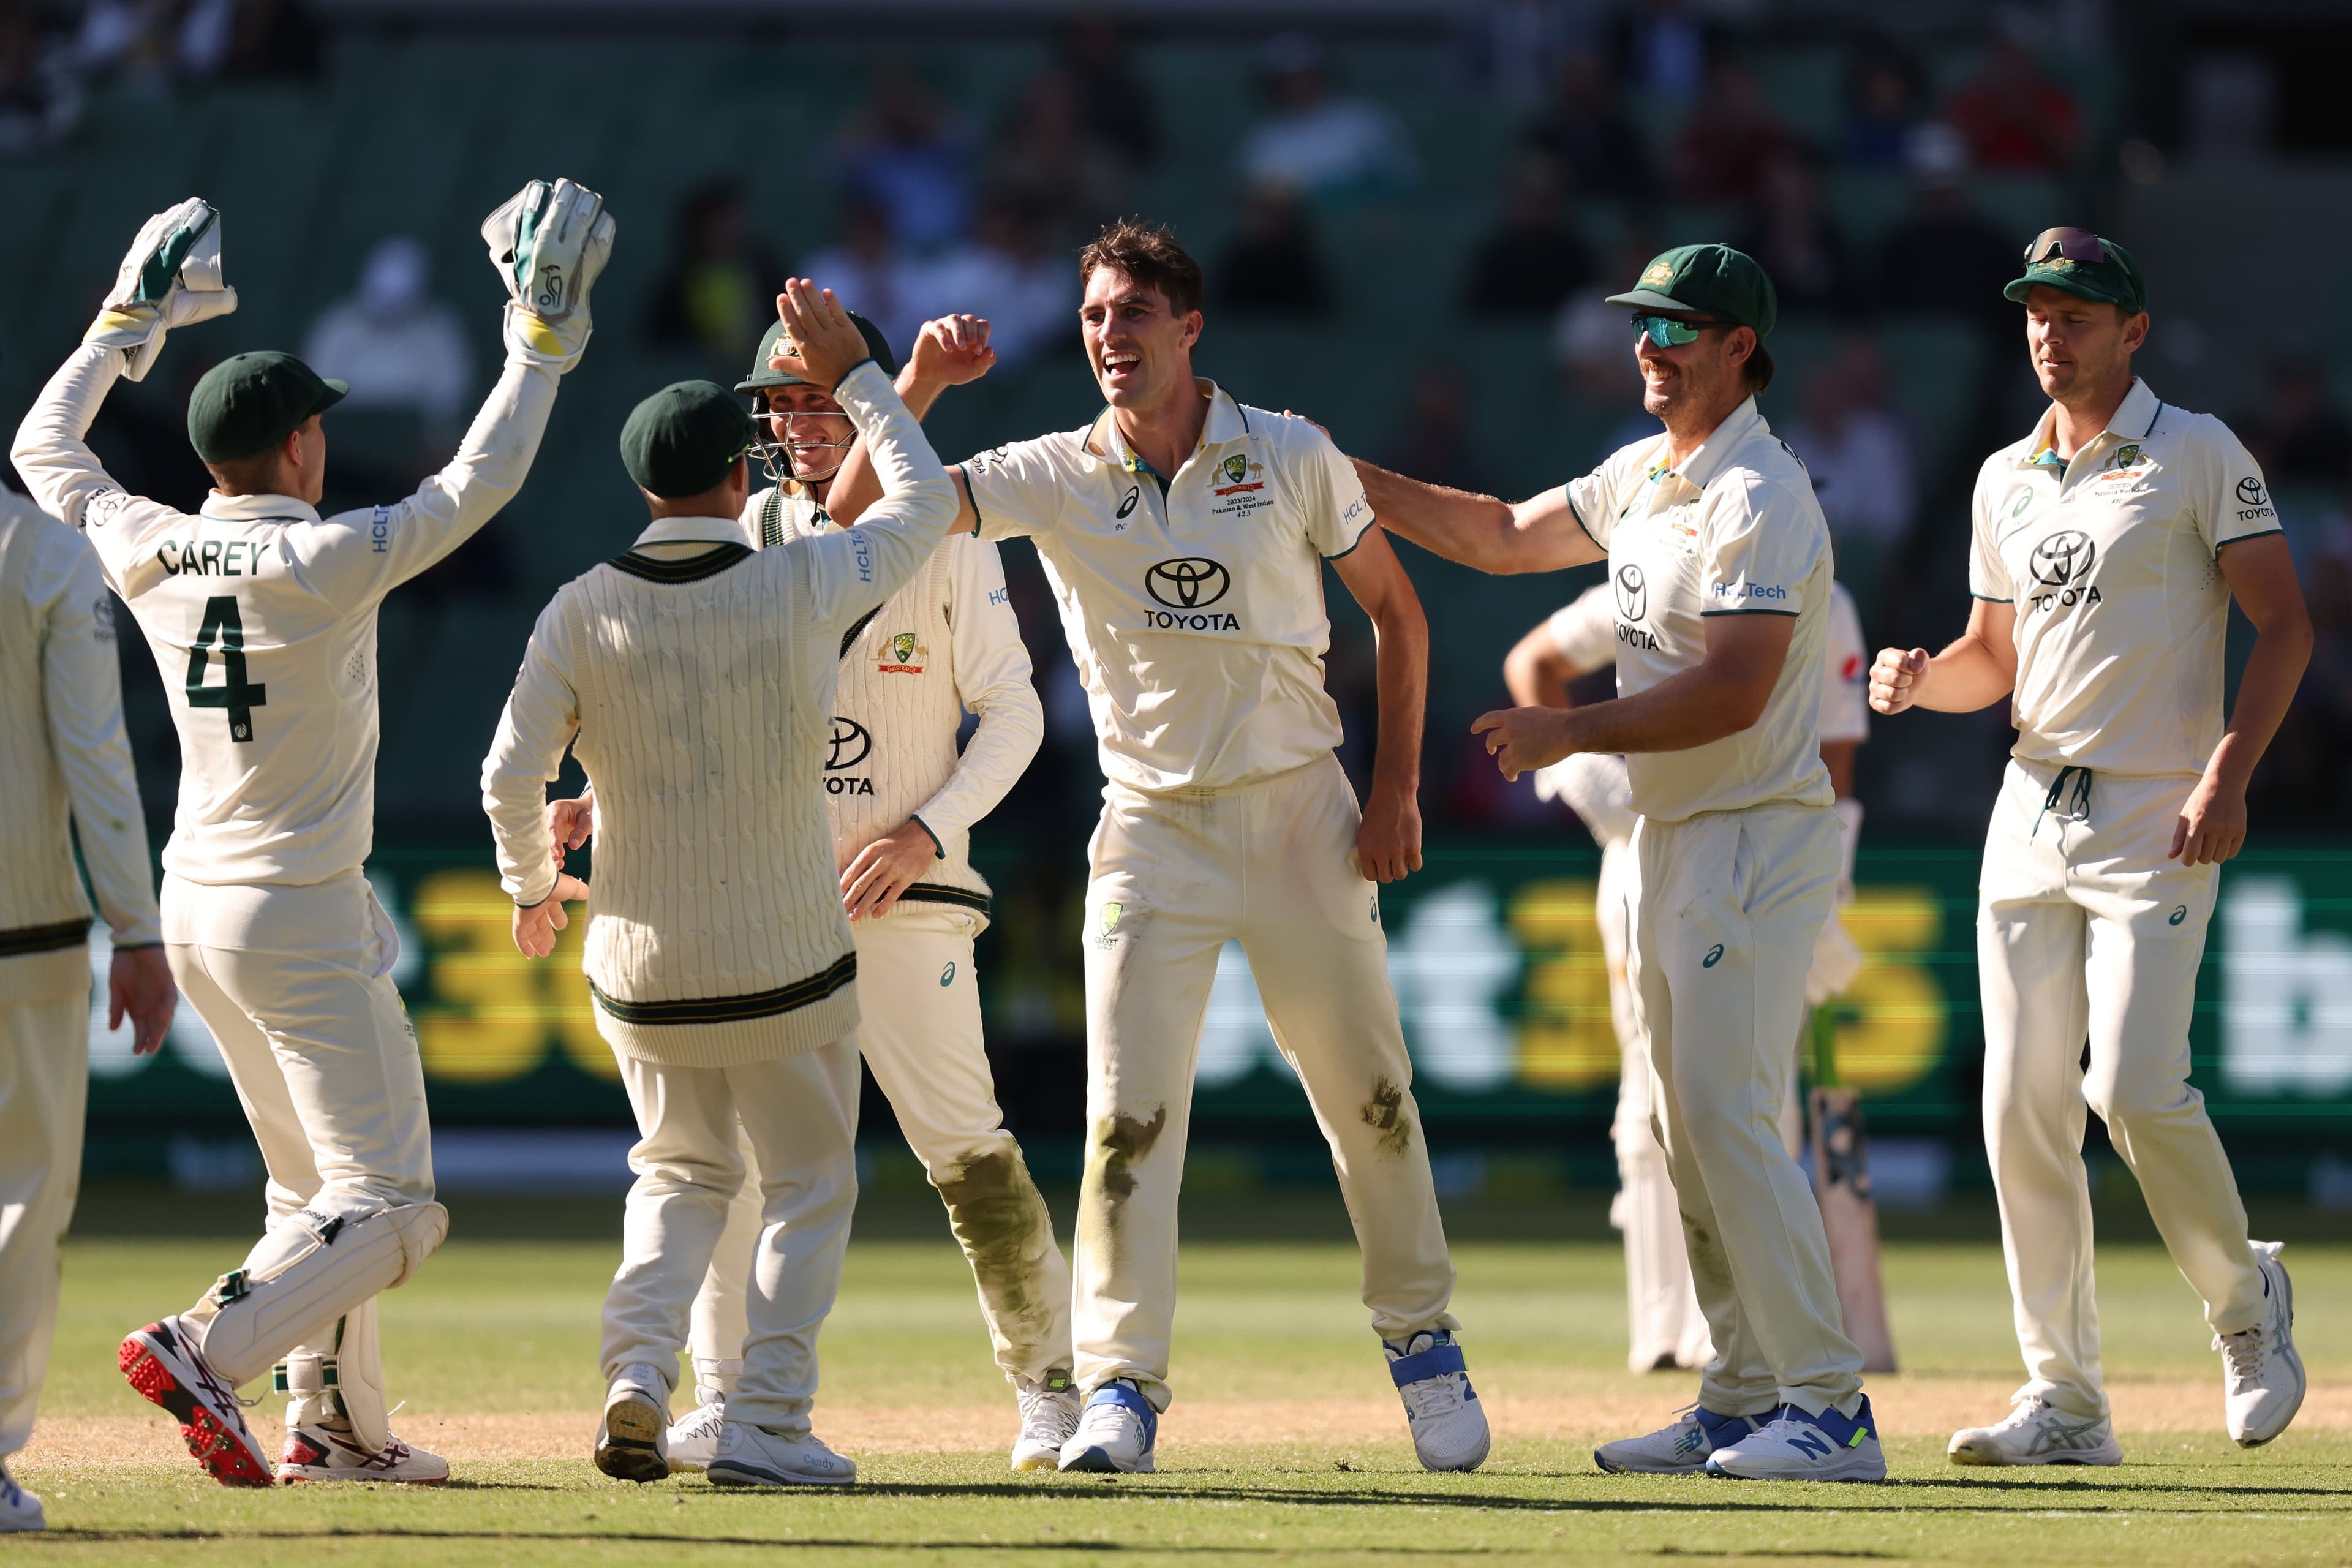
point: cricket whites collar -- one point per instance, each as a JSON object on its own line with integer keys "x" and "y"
{"x": 1226, "y": 422}
{"x": 256, "y": 509}
{"x": 2134, "y": 420}
{"x": 696, "y": 531}
{"x": 1724, "y": 440}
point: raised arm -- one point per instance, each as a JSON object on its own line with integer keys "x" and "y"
{"x": 1540, "y": 535}
{"x": 948, "y": 352}
{"x": 1388, "y": 844}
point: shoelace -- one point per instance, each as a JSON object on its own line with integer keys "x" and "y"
{"x": 2242, "y": 1350}
{"x": 1439, "y": 1395}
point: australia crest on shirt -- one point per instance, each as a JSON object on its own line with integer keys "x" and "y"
{"x": 1238, "y": 487}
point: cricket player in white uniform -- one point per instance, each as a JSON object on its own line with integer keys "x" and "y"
{"x": 1185, "y": 536}
{"x": 1667, "y": 1329}
{"x": 902, "y": 803}
{"x": 262, "y": 617}
{"x": 1719, "y": 566}
{"x": 694, "y": 677}
{"x": 63, "y": 758}
{"x": 2107, "y": 548}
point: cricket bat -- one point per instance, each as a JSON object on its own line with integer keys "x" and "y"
{"x": 1842, "y": 1185}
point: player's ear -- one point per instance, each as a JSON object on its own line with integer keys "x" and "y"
{"x": 1193, "y": 322}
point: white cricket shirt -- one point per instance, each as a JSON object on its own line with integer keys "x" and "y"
{"x": 1736, "y": 531}
{"x": 1195, "y": 612}
{"x": 2112, "y": 561}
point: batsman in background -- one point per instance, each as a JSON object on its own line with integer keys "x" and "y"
{"x": 693, "y": 677}
{"x": 1184, "y": 534}
{"x": 1667, "y": 1329}
{"x": 902, "y": 803}
{"x": 63, "y": 758}
{"x": 2106, "y": 546}
{"x": 262, "y": 618}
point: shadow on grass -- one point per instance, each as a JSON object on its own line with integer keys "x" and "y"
{"x": 1289, "y": 1551}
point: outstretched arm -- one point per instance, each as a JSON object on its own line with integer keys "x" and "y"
{"x": 1388, "y": 845}
{"x": 949, "y": 352}
{"x": 1540, "y": 535}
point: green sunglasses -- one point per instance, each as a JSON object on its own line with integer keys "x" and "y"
{"x": 1669, "y": 333}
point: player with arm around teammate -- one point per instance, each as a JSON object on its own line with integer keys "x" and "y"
{"x": 902, "y": 803}
{"x": 262, "y": 617}
{"x": 1184, "y": 535}
{"x": 63, "y": 758}
{"x": 2106, "y": 547}
{"x": 1719, "y": 564}
{"x": 1667, "y": 1329}
{"x": 694, "y": 679}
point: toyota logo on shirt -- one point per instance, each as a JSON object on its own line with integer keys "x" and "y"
{"x": 851, "y": 743}
{"x": 2064, "y": 557}
{"x": 1188, "y": 583}
{"x": 1632, "y": 592}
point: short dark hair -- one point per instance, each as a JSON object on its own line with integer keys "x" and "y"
{"x": 1758, "y": 369}
{"x": 1148, "y": 254}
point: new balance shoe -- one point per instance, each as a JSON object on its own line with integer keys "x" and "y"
{"x": 20, "y": 1510}
{"x": 750, "y": 1456}
{"x": 1049, "y": 1415}
{"x": 1795, "y": 1446}
{"x": 2262, "y": 1374}
{"x": 695, "y": 1440}
{"x": 2036, "y": 1431}
{"x": 1681, "y": 1449}
{"x": 632, "y": 1440}
{"x": 1116, "y": 1431}
{"x": 1448, "y": 1425}
{"x": 162, "y": 1363}
{"x": 329, "y": 1453}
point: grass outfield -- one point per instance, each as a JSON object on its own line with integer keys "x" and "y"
{"x": 1285, "y": 1443}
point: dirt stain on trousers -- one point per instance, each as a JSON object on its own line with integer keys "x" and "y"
{"x": 1001, "y": 1220}
{"x": 1385, "y": 1112}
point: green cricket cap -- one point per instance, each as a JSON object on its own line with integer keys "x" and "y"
{"x": 249, "y": 403}
{"x": 683, "y": 439}
{"x": 2113, "y": 279}
{"x": 774, "y": 339}
{"x": 1706, "y": 280}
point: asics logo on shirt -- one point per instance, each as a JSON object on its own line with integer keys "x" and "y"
{"x": 850, "y": 743}
{"x": 2062, "y": 563}
{"x": 1188, "y": 585}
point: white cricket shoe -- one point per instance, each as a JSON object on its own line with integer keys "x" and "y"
{"x": 320, "y": 1452}
{"x": 20, "y": 1510}
{"x": 1795, "y": 1446}
{"x": 753, "y": 1456}
{"x": 1681, "y": 1449}
{"x": 1049, "y": 1415}
{"x": 1116, "y": 1432}
{"x": 632, "y": 1440}
{"x": 695, "y": 1440}
{"x": 162, "y": 1363}
{"x": 2261, "y": 1375}
{"x": 2036, "y": 1431}
{"x": 1448, "y": 1424}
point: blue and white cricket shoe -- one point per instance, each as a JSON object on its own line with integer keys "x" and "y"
{"x": 1116, "y": 1432}
{"x": 1682, "y": 1449}
{"x": 1448, "y": 1424}
{"x": 1795, "y": 1446}
{"x": 19, "y": 1510}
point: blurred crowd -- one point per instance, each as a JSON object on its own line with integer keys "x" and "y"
{"x": 52, "y": 53}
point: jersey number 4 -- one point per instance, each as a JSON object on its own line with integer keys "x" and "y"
{"x": 225, "y": 629}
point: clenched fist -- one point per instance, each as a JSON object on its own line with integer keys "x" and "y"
{"x": 1895, "y": 677}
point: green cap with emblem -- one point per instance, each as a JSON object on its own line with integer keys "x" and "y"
{"x": 2082, "y": 264}
{"x": 683, "y": 439}
{"x": 773, "y": 340}
{"x": 1706, "y": 280}
{"x": 250, "y": 402}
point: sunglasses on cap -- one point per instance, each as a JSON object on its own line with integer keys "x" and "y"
{"x": 2074, "y": 244}
{"x": 1667, "y": 333}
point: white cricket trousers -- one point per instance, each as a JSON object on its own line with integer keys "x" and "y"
{"x": 1725, "y": 919}
{"x": 1664, "y": 1324}
{"x": 2086, "y": 930}
{"x": 920, "y": 1034}
{"x": 1271, "y": 864}
{"x": 44, "y": 1088}
{"x": 801, "y": 1115}
{"x": 295, "y": 983}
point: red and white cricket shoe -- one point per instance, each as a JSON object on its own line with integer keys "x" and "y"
{"x": 162, "y": 1363}
{"x": 322, "y": 1453}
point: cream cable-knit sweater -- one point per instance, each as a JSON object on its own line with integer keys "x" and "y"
{"x": 697, "y": 690}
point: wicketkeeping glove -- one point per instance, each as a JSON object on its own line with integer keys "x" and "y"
{"x": 549, "y": 244}
{"x": 171, "y": 278}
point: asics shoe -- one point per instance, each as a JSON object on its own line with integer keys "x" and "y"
{"x": 322, "y": 1452}
{"x": 1116, "y": 1431}
{"x": 1448, "y": 1424}
{"x": 694, "y": 1440}
{"x": 2038, "y": 1432}
{"x": 1679, "y": 1449}
{"x": 162, "y": 1363}
{"x": 632, "y": 1440}
{"x": 2262, "y": 1374}
{"x": 750, "y": 1456}
{"x": 20, "y": 1510}
{"x": 1795, "y": 1446}
{"x": 1049, "y": 1415}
